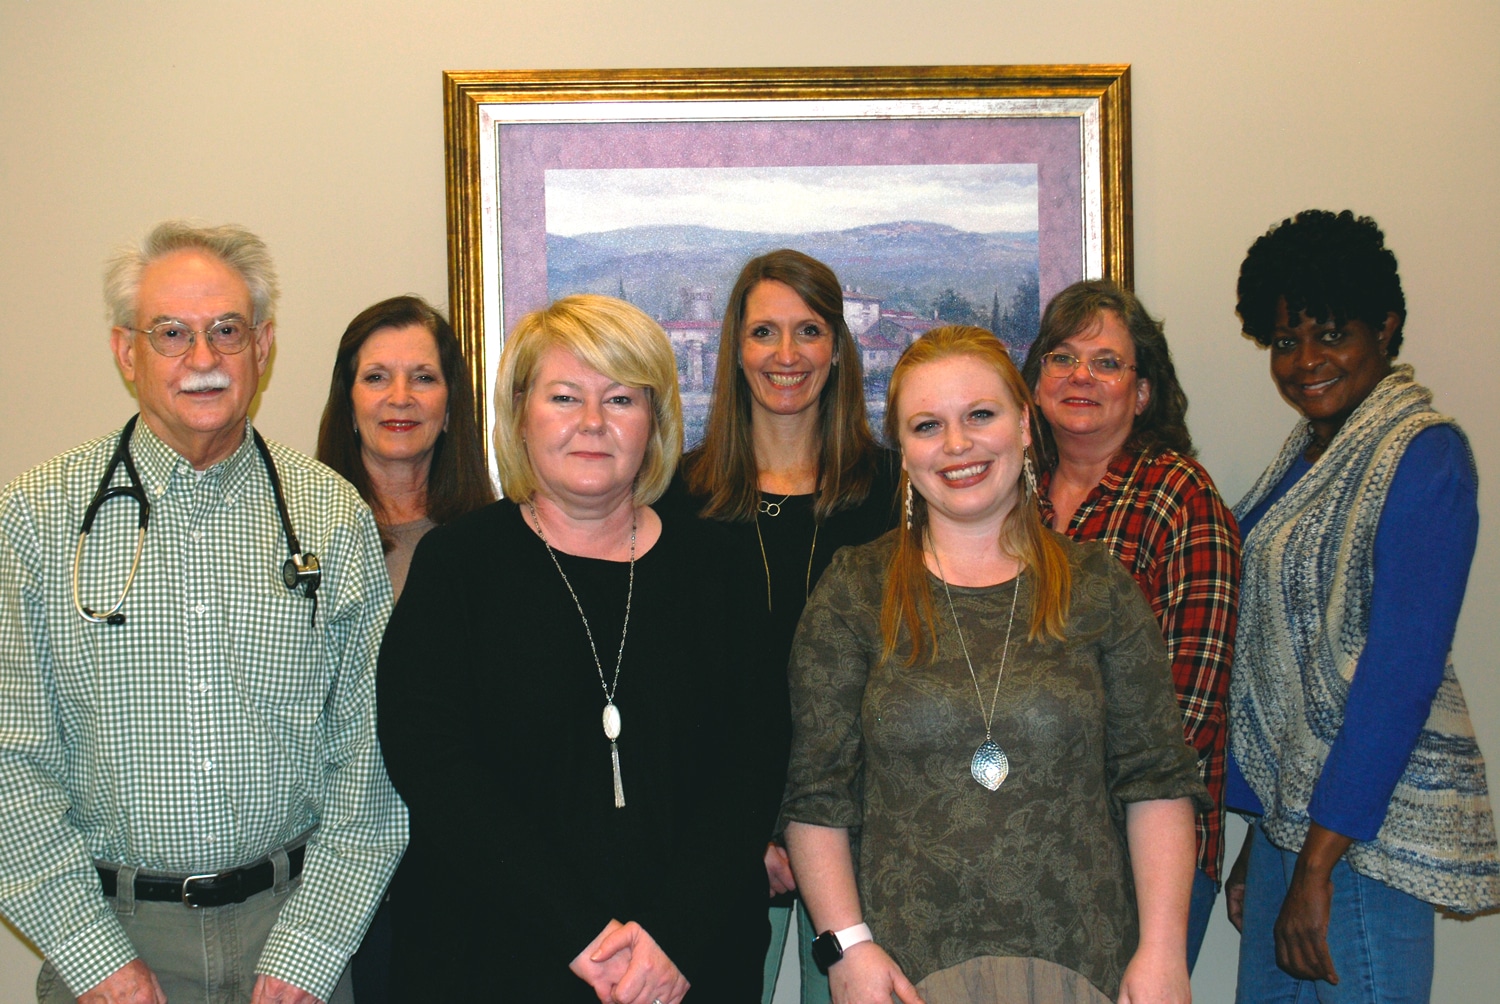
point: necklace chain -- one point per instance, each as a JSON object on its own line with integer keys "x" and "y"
{"x": 988, "y": 718}
{"x": 807, "y": 580}
{"x": 610, "y": 688}
{"x": 772, "y": 509}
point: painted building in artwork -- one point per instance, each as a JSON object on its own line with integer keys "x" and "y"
{"x": 882, "y": 335}
{"x": 861, "y": 311}
{"x": 695, "y": 339}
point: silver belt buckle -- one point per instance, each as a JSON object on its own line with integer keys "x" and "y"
{"x": 187, "y": 892}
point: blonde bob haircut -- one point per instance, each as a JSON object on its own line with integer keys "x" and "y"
{"x": 907, "y": 608}
{"x": 606, "y": 335}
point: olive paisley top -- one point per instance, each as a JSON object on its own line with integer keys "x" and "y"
{"x": 948, "y": 870}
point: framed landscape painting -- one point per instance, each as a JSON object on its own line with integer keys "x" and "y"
{"x": 937, "y": 194}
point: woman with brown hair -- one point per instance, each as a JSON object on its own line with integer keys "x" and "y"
{"x": 1012, "y": 768}
{"x": 787, "y": 474}
{"x": 400, "y": 426}
{"x": 1118, "y": 467}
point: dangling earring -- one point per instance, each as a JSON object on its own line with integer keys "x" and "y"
{"x": 908, "y": 502}
{"x": 1030, "y": 474}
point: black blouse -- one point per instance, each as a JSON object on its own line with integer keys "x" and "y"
{"x": 490, "y": 724}
{"x": 789, "y": 551}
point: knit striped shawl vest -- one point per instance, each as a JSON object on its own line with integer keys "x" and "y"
{"x": 1309, "y": 569}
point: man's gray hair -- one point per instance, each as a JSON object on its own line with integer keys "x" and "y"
{"x": 232, "y": 244}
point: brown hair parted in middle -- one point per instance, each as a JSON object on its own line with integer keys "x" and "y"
{"x": 1162, "y": 425}
{"x": 907, "y": 606}
{"x": 458, "y": 481}
{"x": 724, "y": 468}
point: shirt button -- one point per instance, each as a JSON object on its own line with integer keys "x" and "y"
{"x": 210, "y": 839}
{"x": 202, "y": 687}
{"x": 197, "y": 535}
{"x": 208, "y": 765}
{"x": 201, "y": 609}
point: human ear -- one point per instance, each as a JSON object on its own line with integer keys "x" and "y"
{"x": 264, "y": 337}
{"x": 122, "y": 344}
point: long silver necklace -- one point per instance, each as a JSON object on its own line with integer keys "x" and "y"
{"x": 989, "y": 766}
{"x": 611, "y": 716}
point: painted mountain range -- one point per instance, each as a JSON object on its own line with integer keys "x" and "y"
{"x": 909, "y": 264}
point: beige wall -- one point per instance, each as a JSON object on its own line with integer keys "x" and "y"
{"x": 318, "y": 125}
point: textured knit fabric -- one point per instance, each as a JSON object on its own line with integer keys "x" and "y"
{"x": 1305, "y": 606}
{"x": 217, "y": 723}
{"x": 1162, "y": 516}
{"x": 490, "y": 706}
{"x": 1424, "y": 545}
{"x": 948, "y": 870}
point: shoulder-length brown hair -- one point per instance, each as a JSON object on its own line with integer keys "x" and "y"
{"x": 1162, "y": 424}
{"x": 907, "y": 607}
{"x": 724, "y": 468}
{"x": 458, "y": 481}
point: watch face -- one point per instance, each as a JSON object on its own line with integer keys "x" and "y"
{"x": 826, "y": 950}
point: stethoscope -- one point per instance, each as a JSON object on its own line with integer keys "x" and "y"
{"x": 300, "y": 571}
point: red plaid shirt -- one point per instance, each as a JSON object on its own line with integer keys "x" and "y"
{"x": 1163, "y": 517}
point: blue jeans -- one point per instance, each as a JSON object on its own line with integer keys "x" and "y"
{"x": 1205, "y": 891}
{"x": 1381, "y": 940}
{"x": 814, "y": 983}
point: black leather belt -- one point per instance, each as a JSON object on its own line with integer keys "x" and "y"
{"x": 219, "y": 889}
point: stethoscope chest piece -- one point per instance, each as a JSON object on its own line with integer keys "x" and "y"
{"x": 302, "y": 570}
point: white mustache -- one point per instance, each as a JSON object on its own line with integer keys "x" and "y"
{"x": 212, "y": 380}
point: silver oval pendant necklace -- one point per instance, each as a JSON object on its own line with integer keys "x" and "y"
{"x": 989, "y": 765}
{"x": 610, "y": 718}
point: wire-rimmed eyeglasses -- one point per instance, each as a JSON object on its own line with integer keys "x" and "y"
{"x": 228, "y": 335}
{"x": 1105, "y": 369}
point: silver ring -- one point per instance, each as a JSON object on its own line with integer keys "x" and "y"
{"x": 656, "y": 1000}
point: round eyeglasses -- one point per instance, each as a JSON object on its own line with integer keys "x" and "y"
{"x": 227, "y": 335}
{"x": 1105, "y": 369}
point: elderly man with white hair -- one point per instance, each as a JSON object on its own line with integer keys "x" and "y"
{"x": 193, "y": 804}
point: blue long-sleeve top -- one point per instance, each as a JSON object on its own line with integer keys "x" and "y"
{"x": 1424, "y": 545}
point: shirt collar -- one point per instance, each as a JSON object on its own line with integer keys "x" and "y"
{"x": 161, "y": 467}
{"x": 1119, "y": 473}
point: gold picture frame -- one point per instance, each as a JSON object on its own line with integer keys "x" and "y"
{"x": 498, "y": 233}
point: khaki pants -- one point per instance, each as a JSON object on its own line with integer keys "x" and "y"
{"x": 202, "y": 956}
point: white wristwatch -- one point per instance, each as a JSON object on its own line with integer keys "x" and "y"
{"x": 830, "y": 946}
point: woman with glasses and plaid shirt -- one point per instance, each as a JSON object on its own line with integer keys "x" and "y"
{"x": 1119, "y": 468}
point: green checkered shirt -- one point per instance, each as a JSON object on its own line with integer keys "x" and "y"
{"x": 216, "y": 724}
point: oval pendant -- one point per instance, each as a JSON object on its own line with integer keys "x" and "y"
{"x": 611, "y": 722}
{"x": 990, "y": 765}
